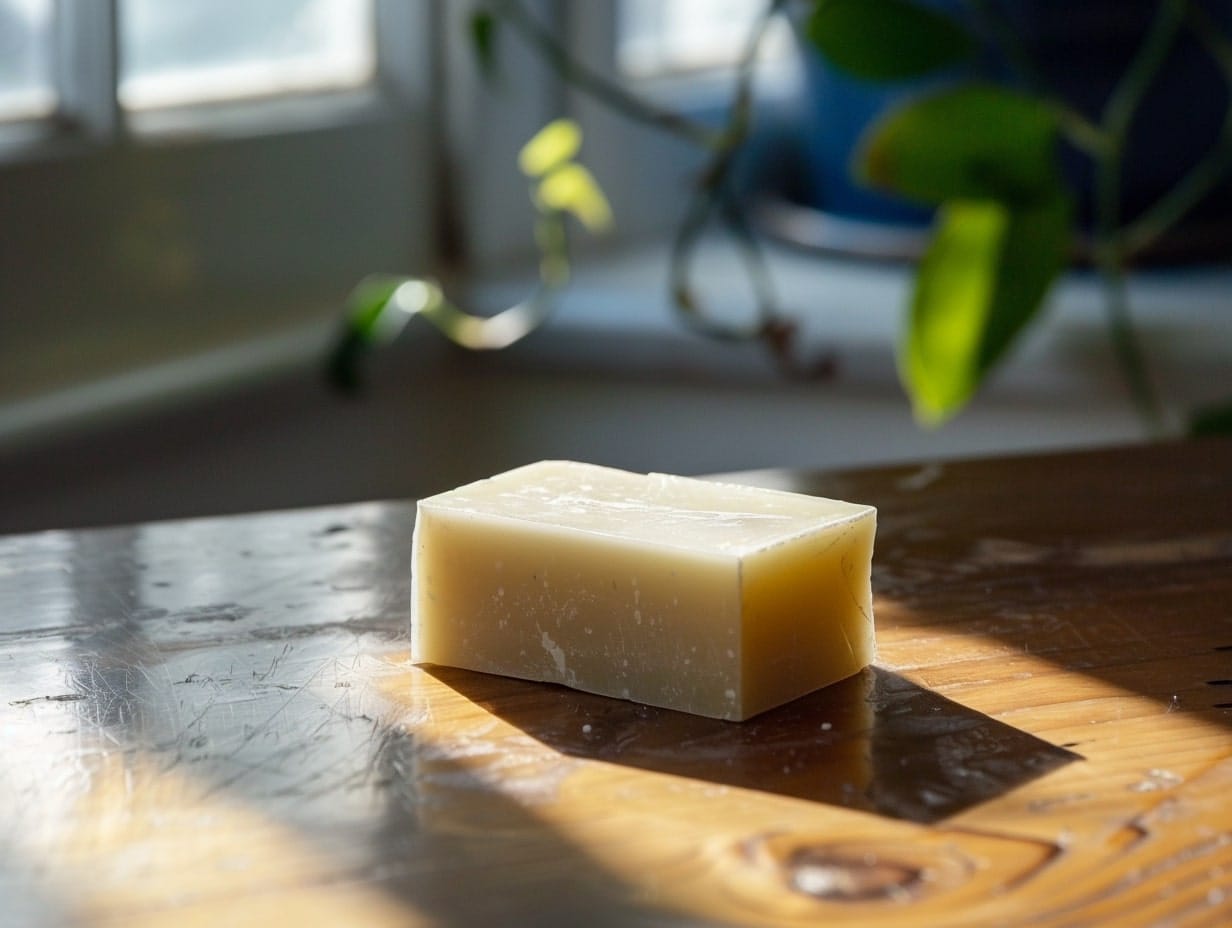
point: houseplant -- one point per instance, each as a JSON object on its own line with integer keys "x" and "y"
{"x": 984, "y": 154}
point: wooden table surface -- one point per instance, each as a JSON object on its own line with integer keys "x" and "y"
{"x": 215, "y": 722}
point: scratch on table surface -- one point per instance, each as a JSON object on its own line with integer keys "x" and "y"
{"x": 358, "y": 775}
{"x": 58, "y": 697}
{"x": 203, "y": 713}
{"x": 269, "y": 720}
{"x": 334, "y": 713}
{"x": 286, "y": 648}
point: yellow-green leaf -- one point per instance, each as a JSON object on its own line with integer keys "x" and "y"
{"x": 552, "y": 146}
{"x": 983, "y": 278}
{"x": 953, "y": 291}
{"x": 1034, "y": 252}
{"x": 572, "y": 188}
{"x": 368, "y": 304}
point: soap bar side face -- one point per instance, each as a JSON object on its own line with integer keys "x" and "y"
{"x": 807, "y": 613}
{"x": 601, "y": 614}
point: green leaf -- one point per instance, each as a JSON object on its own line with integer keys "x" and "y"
{"x": 362, "y": 326}
{"x": 982, "y": 280}
{"x": 483, "y": 41}
{"x": 368, "y": 302}
{"x": 1035, "y": 252}
{"x": 972, "y": 142}
{"x": 550, "y": 147}
{"x": 886, "y": 40}
{"x": 1212, "y": 420}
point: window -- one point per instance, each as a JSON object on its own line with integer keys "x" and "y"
{"x": 26, "y": 88}
{"x": 181, "y": 53}
{"x": 656, "y": 38}
{"x": 180, "y": 176}
{"x": 186, "y": 52}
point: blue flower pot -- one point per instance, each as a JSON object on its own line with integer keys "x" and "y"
{"x": 1079, "y": 49}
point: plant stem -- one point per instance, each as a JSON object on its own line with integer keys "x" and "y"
{"x": 1004, "y": 36}
{"x": 601, "y": 88}
{"x": 1127, "y": 347}
{"x": 709, "y": 194}
{"x": 1127, "y": 96}
{"x": 1207, "y": 173}
{"x": 1083, "y": 134}
{"x": 1118, "y": 116}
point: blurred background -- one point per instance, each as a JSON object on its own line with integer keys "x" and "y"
{"x": 190, "y": 189}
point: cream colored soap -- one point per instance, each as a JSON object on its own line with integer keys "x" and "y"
{"x": 709, "y": 598}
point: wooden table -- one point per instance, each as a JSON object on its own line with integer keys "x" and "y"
{"x": 215, "y": 722}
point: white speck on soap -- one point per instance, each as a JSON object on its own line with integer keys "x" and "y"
{"x": 730, "y": 694}
{"x": 557, "y": 652}
{"x": 826, "y": 726}
{"x": 586, "y": 729}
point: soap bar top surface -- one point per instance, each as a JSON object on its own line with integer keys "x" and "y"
{"x": 652, "y": 509}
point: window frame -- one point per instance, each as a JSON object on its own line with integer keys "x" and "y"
{"x": 85, "y": 189}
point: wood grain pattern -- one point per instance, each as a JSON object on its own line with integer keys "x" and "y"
{"x": 214, "y": 721}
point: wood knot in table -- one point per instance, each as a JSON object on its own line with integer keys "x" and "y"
{"x": 814, "y": 868}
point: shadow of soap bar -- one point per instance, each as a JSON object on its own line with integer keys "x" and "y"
{"x": 709, "y": 598}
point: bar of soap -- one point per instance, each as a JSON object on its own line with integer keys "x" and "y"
{"x": 715, "y": 599}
